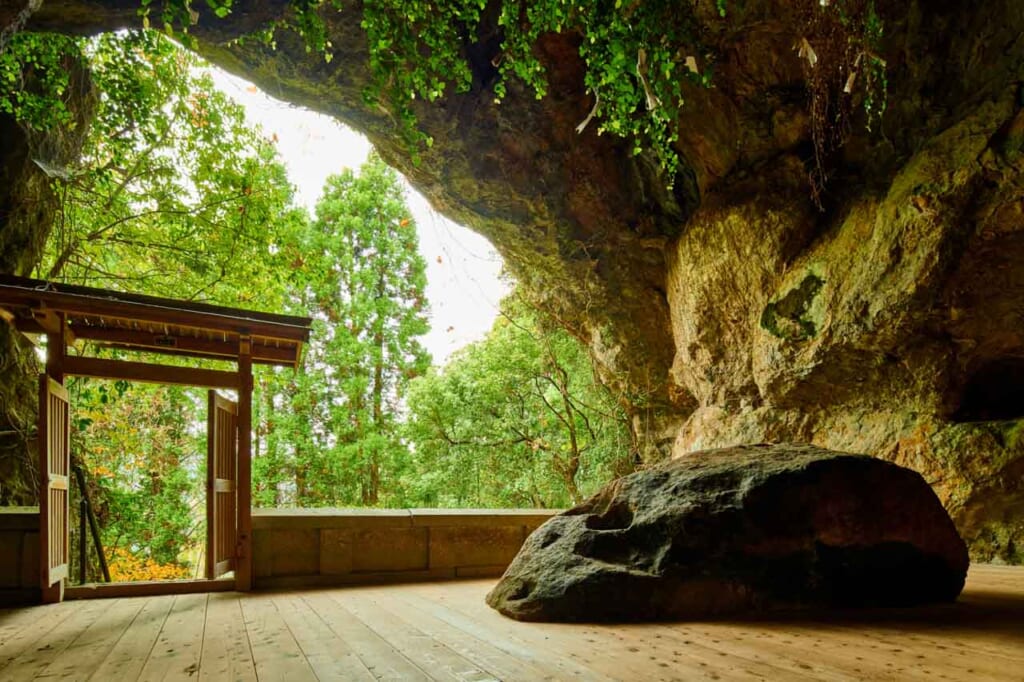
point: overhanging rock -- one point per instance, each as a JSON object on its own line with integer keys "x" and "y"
{"x": 742, "y": 528}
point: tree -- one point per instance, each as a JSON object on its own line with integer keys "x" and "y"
{"x": 144, "y": 462}
{"x": 517, "y": 419}
{"x": 174, "y": 195}
{"x": 358, "y": 271}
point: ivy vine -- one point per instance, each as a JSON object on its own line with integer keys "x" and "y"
{"x": 639, "y": 58}
{"x": 34, "y": 80}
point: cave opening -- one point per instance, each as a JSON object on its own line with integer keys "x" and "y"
{"x": 994, "y": 392}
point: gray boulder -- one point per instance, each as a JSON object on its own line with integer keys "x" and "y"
{"x": 735, "y": 529}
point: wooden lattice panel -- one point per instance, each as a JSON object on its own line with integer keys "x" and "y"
{"x": 55, "y": 465}
{"x": 221, "y": 486}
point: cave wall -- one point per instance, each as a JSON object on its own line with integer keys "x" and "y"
{"x": 28, "y": 208}
{"x": 735, "y": 308}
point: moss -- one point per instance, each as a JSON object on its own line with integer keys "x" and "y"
{"x": 18, "y": 410}
{"x": 999, "y": 543}
{"x": 789, "y": 317}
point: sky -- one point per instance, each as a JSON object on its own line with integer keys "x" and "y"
{"x": 463, "y": 283}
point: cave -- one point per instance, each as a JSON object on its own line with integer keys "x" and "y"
{"x": 994, "y": 392}
{"x": 771, "y": 295}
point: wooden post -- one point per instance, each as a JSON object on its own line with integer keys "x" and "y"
{"x": 56, "y": 349}
{"x": 244, "y": 567}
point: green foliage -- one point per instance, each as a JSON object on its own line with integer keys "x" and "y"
{"x": 357, "y": 270}
{"x": 635, "y": 57}
{"x": 145, "y": 463}
{"x": 876, "y": 86}
{"x": 639, "y": 56}
{"x": 175, "y": 195}
{"x": 515, "y": 420}
{"x": 176, "y": 16}
{"x": 34, "y": 79}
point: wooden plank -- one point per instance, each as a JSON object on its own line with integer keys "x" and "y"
{"x": 89, "y": 649}
{"x": 14, "y": 621}
{"x": 129, "y": 655}
{"x": 331, "y": 657}
{"x": 148, "y": 588}
{"x": 422, "y": 632}
{"x": 244, "y": 565}
{"x": 275, "y": 652}
{"x": 379, "y": 656}
{"x": 516, "y": 639}
{"x": 186, "y": 345}
{"x": 860, "y": 650}
{"x": 72, "y": 300}
{"x": 426, "y": 652}
{"x": 54, "y": 432}
{"x": 227, "y": 654}
{"x": 554, "y": 644}
{"x": 748, "y": 647}
{"x": 467, "y": 644}
{"x": 38, "y": 654}
{"x": 23, "y": 627}
{"x": 146, "y": 372}
{"x": 175, "y": 655}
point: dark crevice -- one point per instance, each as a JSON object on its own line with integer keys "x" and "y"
{"x": 994, "y": 392}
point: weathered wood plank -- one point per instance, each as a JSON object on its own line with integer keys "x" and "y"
{"x": 175, "y": 654}
{"x": 129, "y": 655}
{"x": 381, "y": 658}
{"x": 20, "y": 627}
{"x": 89, "y": 649}
{"x": 548, "y": 658}
{"x": 487, "y": 656}
{"x": 446, "y": 632}
{"x": 41, "y": 651}
{"x": 427, "y": 652}
{"x": 274, "y": 650}
{"x": 226, "y": 653}
{"x": 331, "y": 657}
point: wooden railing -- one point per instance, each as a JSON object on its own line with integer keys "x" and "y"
{"x": 310, "y": 547}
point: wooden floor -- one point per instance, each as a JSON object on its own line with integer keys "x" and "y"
{"x": 443, "y": 631}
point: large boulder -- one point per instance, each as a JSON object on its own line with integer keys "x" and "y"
{"x": 750, "y": 527}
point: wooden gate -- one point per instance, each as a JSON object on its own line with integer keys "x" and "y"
{"x": 54, "y": 469}
{"x": 221, "y": 486}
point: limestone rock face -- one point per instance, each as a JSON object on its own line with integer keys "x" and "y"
{"x": 733, "y": 529}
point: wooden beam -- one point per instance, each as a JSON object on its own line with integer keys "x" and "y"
{"x": 244, "y": 564}
{"x": 185, "y": 345}
{"x": 225, "y": 320}
{"x": 147, "y": 588}
{"x": 57, "y": 349}
{"x": 149, "y": 373}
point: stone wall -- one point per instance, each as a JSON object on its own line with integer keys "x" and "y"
{"x": 307, "y": 547}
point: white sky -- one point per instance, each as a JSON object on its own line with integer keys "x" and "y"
{"x": 463, "y": 284}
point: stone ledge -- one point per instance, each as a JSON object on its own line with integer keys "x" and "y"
{"x": 313, "y": 547}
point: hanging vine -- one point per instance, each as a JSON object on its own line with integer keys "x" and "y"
{"x": 639, "y": 58}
